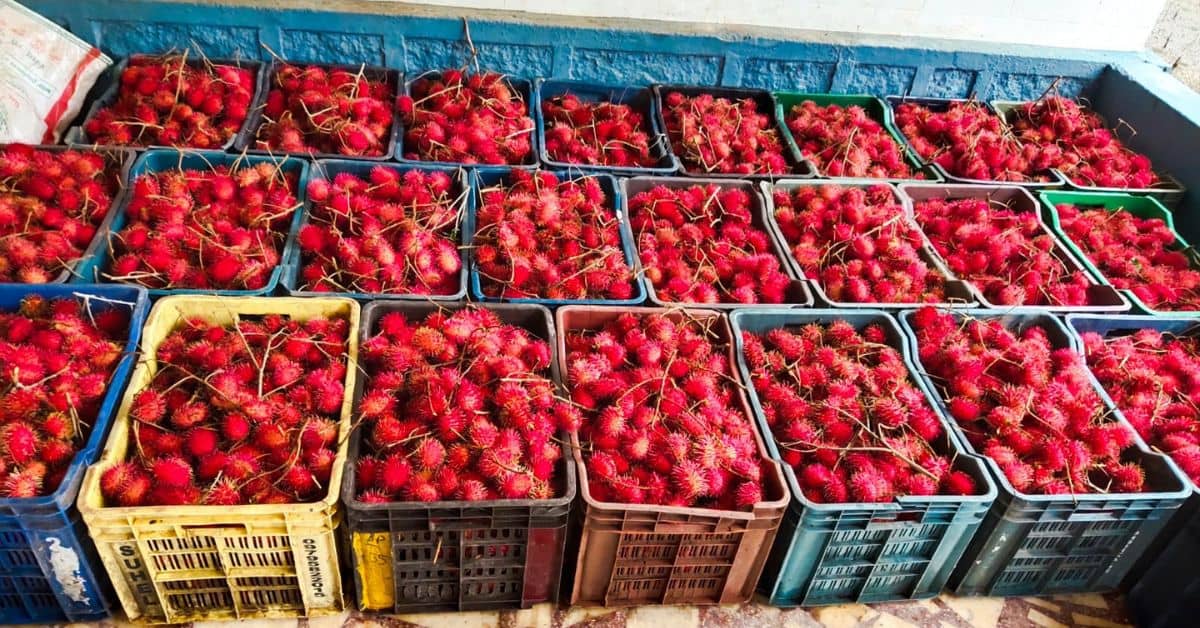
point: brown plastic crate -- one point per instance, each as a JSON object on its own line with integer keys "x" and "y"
{"x": 649, "y": 554}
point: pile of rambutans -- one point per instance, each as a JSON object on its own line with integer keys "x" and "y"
{"x": 716, "y": 135}
{"x": 316, "y": 109}
{"x": 392, "y": 232}
{"x": 700, "y": 244}
{"x": 58, "y": 357}
{"x": 1007, "y": 254}
{"x": 470, "y": 118}
{"x": 219, "y": 228}
{"x": 246, "y": 413}
{"x": 1154, "y": 379}
{"x": 664, "y": 420}
{"x": 968, "y": 140}
{"x": 847, "y": 142}
{"x": 857, "y": 243}
{"x": 173, "y": 101}
{"x": 847, "y": 416}
{"x": 459, "y": 406}
{"x": 50, "y": 206}
{"x": 600, "y": 133}
{"x": 539, "y": 236}
{"x": 1030, "y": 407}
{"x": 1076, "y": 141}
{"x": 1142, "y": 255}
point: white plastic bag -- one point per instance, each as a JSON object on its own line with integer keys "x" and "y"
{"x": 45, "y": 74}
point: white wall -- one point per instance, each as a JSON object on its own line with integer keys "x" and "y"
{"x": 1097, "y": 24}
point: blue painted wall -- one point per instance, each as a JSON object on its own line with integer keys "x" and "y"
{"x": 1122, "y": 85}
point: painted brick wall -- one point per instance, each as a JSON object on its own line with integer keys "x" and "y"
{"x": 1108, "y": 24}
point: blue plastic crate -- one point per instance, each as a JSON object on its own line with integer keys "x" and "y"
{"x": 1189, "y": 514}
{"x": 842, "y": 553}
{"x": 329, "y": 168}
{"x": 1043, "y": 544}
{"x": 484, "y": 177}
{"x": 96, "y": 262}
{"x": 640, "y": 99}
{"x": 78, "y": 135}
{"x": 798, "y": 293}
{"x": 524, "y": 87}
{"x": 765, "y": 102}
{"x": 49, "y": 570}
{"x": 941, "y": 104}
{"x": 247, "y": 137}
{"x": 122, "y": 159}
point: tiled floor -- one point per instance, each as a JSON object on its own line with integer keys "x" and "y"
{"x": 1091, "y": 611}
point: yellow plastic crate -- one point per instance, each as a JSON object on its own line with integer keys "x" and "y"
{"x": 174, "y": 564}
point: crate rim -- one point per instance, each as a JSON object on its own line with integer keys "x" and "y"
{"x": 998, "y": 476}
{"x": 778, "y": 247}
{"x": 906, "y": 502}
{"x": 611, "y": 185}
{"x": 347, "y": 489}
{"x": 779, "y": 504}
{"x": 96, "y": 513}
{"x": 291, "y": 265}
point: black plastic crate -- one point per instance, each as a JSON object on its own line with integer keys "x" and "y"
{"x": 1043, "y": 544}
{"x": 456, "y": 555}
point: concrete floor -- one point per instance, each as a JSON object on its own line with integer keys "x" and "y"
{"x": 1176, "y": 38}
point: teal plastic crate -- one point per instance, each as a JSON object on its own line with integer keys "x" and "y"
{"x": 842, "y": 553}
{"x": 1169, "y": 190}
{"x": 49, "y": 570}
{"x": 95, "y": 262}
{"x": 875, "y": 107}
{"x": 1046, "y": 544}
{"x": 1140, "y": 206}
{"x": 487, "y": 177}
{"x": 328, "y": 169}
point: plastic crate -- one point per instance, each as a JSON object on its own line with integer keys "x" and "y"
{"x": 1169, "y": 191}
{"x": 328, "y": 168}
{"x": 523, "y": 87}
{"x": 50, "y": 569}
{"x": 78, "y": 135}
{"x": 1016, "y": 198}
{"x": 841, "y": 553}
{"x": 489, "y": 176}
{"x": 1140, "y": 206}
{"x": 941, "y": 104}
{"x": 453, "y": 555}
{"x": 1044, "y": 544}
{"x": 958, "y": 293}
{"x": 798, "y": 294}
{"x": 1168, "y": 594}
{"x": 248, "y": 136}
{"x": 876, "y": 108}
{"x": 120, "y": 160}
{"x": 631, "y": 555}
{"x": 640, "y": 99}
{"x": 765, "y": 104}
{"x": 176, "y": 564}
{"x": 95, "y": 262}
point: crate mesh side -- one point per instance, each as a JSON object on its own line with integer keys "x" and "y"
{"x": 1064, "y": 556}
{"x": 670, "y": 568}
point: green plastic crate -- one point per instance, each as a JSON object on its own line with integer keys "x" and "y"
{"x": 874, "y": 106}
{"x": 1140, "y": 206}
